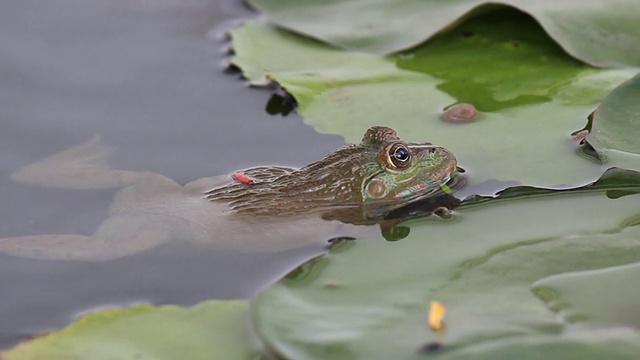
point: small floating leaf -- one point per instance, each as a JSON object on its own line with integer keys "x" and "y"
{"x": 460, "y": 113}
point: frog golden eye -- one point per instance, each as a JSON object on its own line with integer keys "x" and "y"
{"x": 399, "y": 156}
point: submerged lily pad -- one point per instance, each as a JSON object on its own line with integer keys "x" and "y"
{"x": 496, "y": 61}
{"x": 601, "y": 34}
{"x": 344, "y": 93}
{"x": 615, "y": 131}
{"x": 369, "y": 298}
{"x": 210, "y": 330}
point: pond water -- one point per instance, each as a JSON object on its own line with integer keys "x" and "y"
{"x": 148, "y": 77}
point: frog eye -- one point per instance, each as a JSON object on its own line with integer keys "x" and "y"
{"x": 399, "y": 156}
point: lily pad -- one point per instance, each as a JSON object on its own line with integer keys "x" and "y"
{"x": 615, "y": 183}
{"x": 369, "y": 298}
{"x": 344, "y": 93}
{"x": 586, "y": 345}
{"x": 603, "y": 297}
{"x": 601, "y": 34}
{"x": 210, "y": 330}
{"x": 616, "y": 126}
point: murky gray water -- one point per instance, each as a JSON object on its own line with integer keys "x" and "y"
{"x": 146, "y": 75}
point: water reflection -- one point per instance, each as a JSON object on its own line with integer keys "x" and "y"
{"x": 280, "y": 104}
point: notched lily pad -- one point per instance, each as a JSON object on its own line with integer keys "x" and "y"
{"x": 210, "y": 330}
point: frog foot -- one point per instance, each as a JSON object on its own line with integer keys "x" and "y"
{"x": 81, "y": 167}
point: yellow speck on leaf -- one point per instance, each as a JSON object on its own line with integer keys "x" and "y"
{"x": 436, "y": 314}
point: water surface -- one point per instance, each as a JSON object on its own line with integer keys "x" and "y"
{"x": 147, "y": 76}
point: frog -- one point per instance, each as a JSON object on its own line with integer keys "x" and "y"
{"x": 265, "y": 208}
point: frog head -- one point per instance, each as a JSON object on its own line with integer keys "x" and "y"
{"x": 403, "y": 172}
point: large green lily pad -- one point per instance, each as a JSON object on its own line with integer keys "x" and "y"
{"x": 615, "y": 131}
{"x": 210, "y": 330}
{"x": 601, "y": 34}
{"x": 369, "y": 298}
{"x": 344, "y": 93}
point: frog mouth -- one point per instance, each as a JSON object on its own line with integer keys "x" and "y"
{"x": 419, "y": 191}
{"x": 430, "y": 188}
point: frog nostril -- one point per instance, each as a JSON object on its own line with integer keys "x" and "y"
{"x": 433, "y": 150}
